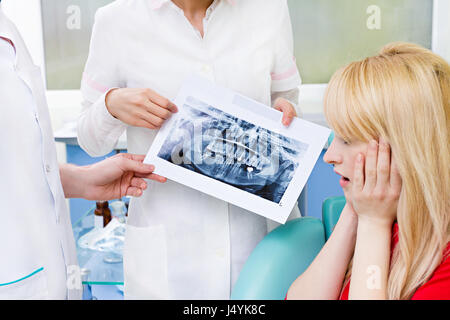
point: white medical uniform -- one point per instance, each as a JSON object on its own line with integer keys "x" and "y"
{"x": 180, "y": 243}
{"x": 36, "y": 238}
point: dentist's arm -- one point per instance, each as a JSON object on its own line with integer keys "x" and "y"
{"x": 102, "y": 123}
{"x": 323, "y": 280}
{"x": 113, "y": 178}
{"x": 97, "y": 130}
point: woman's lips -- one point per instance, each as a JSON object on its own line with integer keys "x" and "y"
{"x": 344, "y": 182}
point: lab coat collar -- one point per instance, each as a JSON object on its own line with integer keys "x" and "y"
{"x": 4, "y": 30}
{"x": 9, "y": 31}
{"x": 156, "y": 4}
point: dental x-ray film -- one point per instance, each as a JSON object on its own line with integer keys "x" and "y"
{"x": 236, "y": 149}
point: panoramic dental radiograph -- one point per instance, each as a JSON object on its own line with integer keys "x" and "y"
{"x": 215, "y": 144}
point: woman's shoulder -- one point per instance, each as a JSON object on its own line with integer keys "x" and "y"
{"x": 267, "y": 7}
{"x": 123, "y": 17}
{"x": 265, "y": 16}
{"x": 274, "y": 6}
{"x": 438, "y": 287}
{"x": 119, "y": 10}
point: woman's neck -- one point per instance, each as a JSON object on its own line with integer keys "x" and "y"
{"x": 194, "y": 11}
{"x": 193, "y": 7}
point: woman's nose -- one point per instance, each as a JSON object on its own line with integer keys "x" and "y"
{"x": 332, "y": 156}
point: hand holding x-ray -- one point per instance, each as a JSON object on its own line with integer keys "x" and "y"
{"x": 139, "y": 107}
{"x": 237, "y": 149}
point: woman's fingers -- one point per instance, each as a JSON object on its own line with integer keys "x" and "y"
{"x": 358, "y": 175}
{"x": 134, "y": 192}
{"x": 395, "y": 178}
{"x": 138, "y": 183}
{"x": 139, "y": 107}
{"x": 287, "y": 109}
{"x": 151, "y": 119}
{"x": 371, "y": 166}
{"x": 161, "y": 101}
{"x": 133, "y": 163}
{"x": 158, "y": 111}
{"x": 132, "y": 156}
{"x": 152, "y": 176}
{"x": 383, "y": 165}
{"x": 127, "y": 165}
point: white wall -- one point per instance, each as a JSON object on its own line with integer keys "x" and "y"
{"x": 64, "y": 105}
{"x": 27, "y": 17}
{"x": 441, "y": 28}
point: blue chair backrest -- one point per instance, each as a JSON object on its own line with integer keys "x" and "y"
{"x": 279, "y": 259}
{"x": 284, "y": 254}
{"x": 331, "y": 211}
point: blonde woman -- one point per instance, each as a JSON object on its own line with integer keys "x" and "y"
{"x": 391, "y": 116}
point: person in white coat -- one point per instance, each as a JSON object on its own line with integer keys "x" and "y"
{"x": 181, "y": 243}
{"x": 36, "y": 239}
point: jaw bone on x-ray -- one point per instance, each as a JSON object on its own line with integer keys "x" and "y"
{"x": 215, "y": 144}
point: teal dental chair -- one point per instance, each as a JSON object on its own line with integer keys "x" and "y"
{"x": 285, "y": 253}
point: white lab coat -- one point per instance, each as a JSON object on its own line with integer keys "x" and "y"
{"x": 36, "y": 239}
{"x": 181, "y": 243}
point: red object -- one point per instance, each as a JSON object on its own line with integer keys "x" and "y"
{"x": 437, "y": 288}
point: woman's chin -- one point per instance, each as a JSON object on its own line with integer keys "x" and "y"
{"x": 347, "y": 195}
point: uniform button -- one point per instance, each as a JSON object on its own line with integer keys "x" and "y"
{"x": 206, "y": 69}
{"x": 48, "y": 168}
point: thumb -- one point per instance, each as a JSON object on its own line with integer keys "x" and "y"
{"x": 288, "y": 110}
{"x": 136, "y": 166}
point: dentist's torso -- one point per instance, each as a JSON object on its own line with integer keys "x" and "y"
{"x": 181, "y": 243}
{"x": 36, "y": 239}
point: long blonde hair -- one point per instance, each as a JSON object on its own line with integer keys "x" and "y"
{"x": 403, "y": 95}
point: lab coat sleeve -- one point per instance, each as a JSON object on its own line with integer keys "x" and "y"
{"x": 285, "y": 75}
{"x": 98, "y": 131}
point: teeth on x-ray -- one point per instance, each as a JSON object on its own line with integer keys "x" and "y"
{"x": 233, "y": 151}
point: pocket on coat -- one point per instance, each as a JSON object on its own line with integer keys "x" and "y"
{"x": 145, "y": 263}
{"x": 32, "y": 286}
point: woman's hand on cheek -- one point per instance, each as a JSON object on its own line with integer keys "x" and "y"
{"x": 376, "y": 185}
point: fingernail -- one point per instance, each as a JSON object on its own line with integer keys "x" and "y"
{"x": 150, "y": 167}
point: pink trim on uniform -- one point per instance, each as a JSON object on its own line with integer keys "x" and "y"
{"x": 285, "y": 75}
{"x": 94, "y": 85}
{"x": 9, "y": 41}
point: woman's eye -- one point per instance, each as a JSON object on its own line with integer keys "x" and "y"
{"x": 342, "y": 140}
